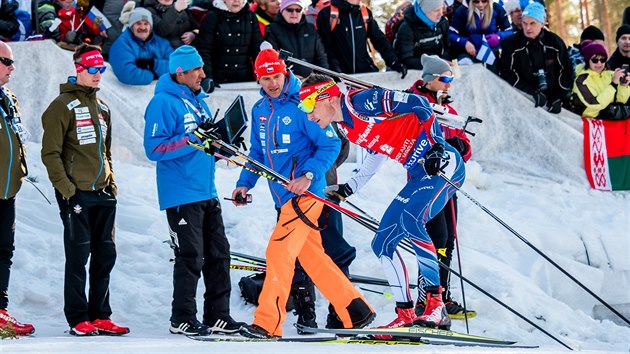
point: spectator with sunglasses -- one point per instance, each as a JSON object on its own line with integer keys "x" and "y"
{"x": 13, "y": 164}
{"x": 290, "y": 31}
{"x": 597, "y": 92}
{"x": 76, "y": 150}
{"x": 535, "y": 60}
{"x": 437, "y": 77}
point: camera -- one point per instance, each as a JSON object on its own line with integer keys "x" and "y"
{"x": 542, "y": 79}
{"x": 625, "y": 68}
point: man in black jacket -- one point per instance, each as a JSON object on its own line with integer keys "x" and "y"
{"x": 345, "y": 26}
{"x": 535, "y": 61}
{"x": 621, "y": 55}
{"x": 290, "y": 31}
{"x": 423, "y": 31}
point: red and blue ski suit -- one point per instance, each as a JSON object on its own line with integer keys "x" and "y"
{"x": 403, "y": 127}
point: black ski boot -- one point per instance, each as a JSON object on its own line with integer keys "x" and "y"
{"x": 303, "y": 294}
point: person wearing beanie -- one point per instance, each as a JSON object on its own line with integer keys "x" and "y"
{"x": 413, "y": 139}
{"x": 78, "y": 132}
{"x": 597, "y": 92}
{"x": 590, "y": 33}
{"x": 140, "y": 56}
{"x": 621, "y": 56}
{"x": 535, "y": 60}
{"x": 290, "y": 31}
{"x": 229, "y": 40}
{"x": 423, "y": 30}
{"x": 482, "y": 23}
{"x": 515, "y": 11}
{"x": 345, "y": 27}
{"x": 437, "y": 77}
{"x": 283, "y": 138}
{"x": 176, "y": 116}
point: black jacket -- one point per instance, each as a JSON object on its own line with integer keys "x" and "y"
{"x": 229, "y": 43}
{"x": 346, "y": 46}
{"x": 616, "y": 60}
{"x": 8, "y": 21}
{"x": 301, "y": 39}
{"x": 415, "y": 38}
{"x": 170, "y": 24}
{"x": 522, "y": 58}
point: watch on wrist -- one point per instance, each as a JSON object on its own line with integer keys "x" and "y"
{"x": 309, "y": 176}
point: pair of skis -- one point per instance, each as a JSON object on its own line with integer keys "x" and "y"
{"x": 414, "y": 335}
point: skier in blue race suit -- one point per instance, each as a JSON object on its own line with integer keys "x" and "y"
{"x": 403, "y": 127}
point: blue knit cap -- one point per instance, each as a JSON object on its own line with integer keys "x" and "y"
{"x": 536, "y": 11}
{"x": 183, "y": 59}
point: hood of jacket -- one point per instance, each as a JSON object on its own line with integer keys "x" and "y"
{"x": 71, "y": 86}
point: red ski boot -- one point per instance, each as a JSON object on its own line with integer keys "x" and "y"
{"x": 406, "y": 316}
{"x": 435, "y": 314}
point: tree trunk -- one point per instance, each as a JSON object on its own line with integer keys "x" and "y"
{"x": 559, "y": 22}
{"x": 606, "y": 23}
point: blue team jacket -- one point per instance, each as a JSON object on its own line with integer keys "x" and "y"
{"x": 284, "y": 139}
{"x": 127, "y": 48}
{"x": 184, "y": 174}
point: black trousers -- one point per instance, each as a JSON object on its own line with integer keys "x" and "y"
{"x": 7, "y": 238}
{"x": 201, "y": 247}
{"x": 88, "y": 221}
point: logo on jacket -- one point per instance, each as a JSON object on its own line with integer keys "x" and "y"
{"x": 387, "y": 149}
{"x": 369, "y": 105}
{"x": 262, "y": 119}
{"x": 77, "y": 209}
{"x": 286, "y": 120}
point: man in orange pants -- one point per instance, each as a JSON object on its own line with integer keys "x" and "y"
{"x": 284, "y": 139}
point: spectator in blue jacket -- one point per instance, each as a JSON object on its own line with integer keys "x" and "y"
{"x": 186, "y": 190}
{"x": 469, "y": 26}
{"x": 140, "y": 56}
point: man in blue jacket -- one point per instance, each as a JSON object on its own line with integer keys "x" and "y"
{"x": 140, "y": 56}
{"x": 283, "y": 139}
{"x": 186, "y": 190}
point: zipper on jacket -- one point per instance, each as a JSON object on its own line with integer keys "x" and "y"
{"x": 354, "y": 54}
{"x": 100, "y": 152}
{"x": 7, "y": 127}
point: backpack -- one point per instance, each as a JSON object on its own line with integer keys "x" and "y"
{"x": 334, "y": 16}
{"x": 394, "y": 22}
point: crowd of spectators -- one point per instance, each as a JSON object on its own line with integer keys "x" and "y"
{"x": 510, "y": 38}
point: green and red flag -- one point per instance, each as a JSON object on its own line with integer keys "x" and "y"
{"x": 607, "y": 153}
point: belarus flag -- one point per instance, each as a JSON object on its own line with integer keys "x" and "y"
{"x": 96, "y": 20}
{"x": 607, "y": 153}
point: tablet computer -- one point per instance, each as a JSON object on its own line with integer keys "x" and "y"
{"x": 234, "y": 121}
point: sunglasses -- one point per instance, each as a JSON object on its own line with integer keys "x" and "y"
{"x": 93, "y": 69}
{"x": 6, "y": 61}
{"x": 479, "y": 1}
{"x": 293, "y": 10}
{"x": 308, "y": 104}
{"x": 598, "y": 60}
{"x": 445, "y": 79}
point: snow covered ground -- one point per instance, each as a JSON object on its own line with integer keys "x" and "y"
{"x": 527, "y": 169}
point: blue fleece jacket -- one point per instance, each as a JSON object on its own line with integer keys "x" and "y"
{"x": 127, "y": 48}
{"x": 184, "y": 174}
{"x": 284, "y": 139}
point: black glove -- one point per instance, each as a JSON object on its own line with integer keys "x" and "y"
{"x": 146, "y": 63}
{"x": 459, "y": 144}
{"x": 207, "y": 132}
{"x": 208, "y": 85}
{"x": 338, "y": 192}
{"x": 433, "y": 160}
{"x": 540, "y": 100}
{"x": 401, "y": 68}
{"x": 554, "y": 106}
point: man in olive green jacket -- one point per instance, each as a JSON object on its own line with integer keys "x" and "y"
{"x": 12, "y": 171}
{"x": 76, "y": 149}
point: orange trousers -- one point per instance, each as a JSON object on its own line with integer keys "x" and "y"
{"x": 292, "y": 239}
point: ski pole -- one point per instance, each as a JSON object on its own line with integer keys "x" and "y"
{"x": 39, "y": 190}
{"x": 537, "y": 250}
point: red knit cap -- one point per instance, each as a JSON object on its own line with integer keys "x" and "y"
{"x": 267, "y": 62}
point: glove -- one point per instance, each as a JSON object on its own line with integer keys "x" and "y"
{"x": 207, "y": 132}
{"x": 208, "y": 85}
{"x": 433, "y": 160}
{"x": 493, "y": 40}
{"x": 146, "y": 63}
{"x": 539, "y": 99}
{"x": 338, "y": 192}
{"x": 401, "y": 68}
{"x": 554, "y": 106}
{"x": 459, "y": 144}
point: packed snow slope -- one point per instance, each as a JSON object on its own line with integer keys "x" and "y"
{"x": 527, "y": 169}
